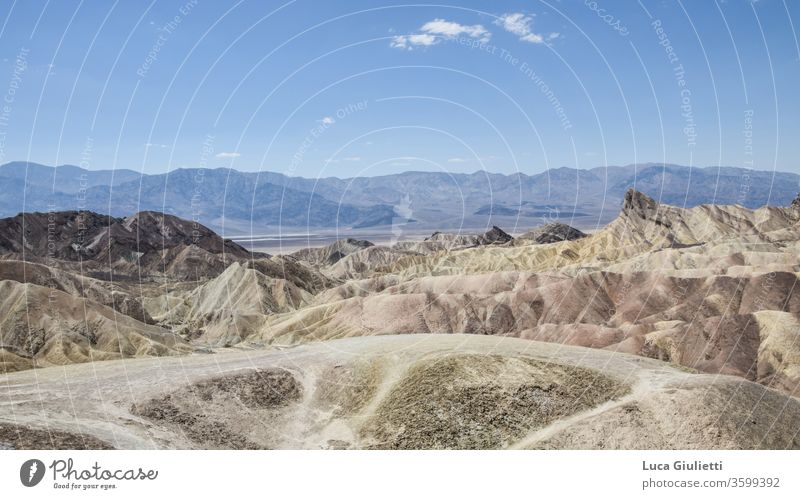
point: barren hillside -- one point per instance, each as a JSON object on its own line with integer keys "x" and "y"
{"x": 396, "y": 392}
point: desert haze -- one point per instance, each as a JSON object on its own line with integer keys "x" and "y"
{"x": 239, "y": 203}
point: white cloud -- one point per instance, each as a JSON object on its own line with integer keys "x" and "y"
{"x": 352, "y": 158}
{"x": 227, "y": 155}
{"x": 327, "y": 120}
{"x": 407, "y": 41}
{"x": 448, "y": 29}
{"x": 521, "y": 25}
{"x": 153, "y": 144}
{"x": 456, "y": 160}
{"x": 433, "y": 32}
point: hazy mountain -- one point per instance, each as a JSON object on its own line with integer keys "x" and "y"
{"x": 229, "y": 198}
{"x": 65, "y": 178}
{"x": 557, "y": 189}
{"x": 203, "y": 195}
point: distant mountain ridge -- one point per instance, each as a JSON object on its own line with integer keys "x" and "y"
{"x": 227, "y": 197}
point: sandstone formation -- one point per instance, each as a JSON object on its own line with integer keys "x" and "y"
{"x": 143, "y": 244}
{"x": 553, "y": 232}
{"x": 328, "y": 255}
{"x": 42, "y": 326}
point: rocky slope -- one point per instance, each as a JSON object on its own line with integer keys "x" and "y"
{"x": 366, "y": 259}
{"x": 101, "y": 292}
{"x": 441, "y": 241}
{"x": 332, "y": 253}
{"x": 145, "y": 243}
{"x": 718, "y": 324}
{"x": 79, "y": 286}
{"x": 42, "y": 326}
{"x": 227, "y": 309}
{"x": 553, "y": 232}
{"x": 712, "y": 288}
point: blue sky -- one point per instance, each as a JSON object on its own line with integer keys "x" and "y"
{"x": 373, "y": 87}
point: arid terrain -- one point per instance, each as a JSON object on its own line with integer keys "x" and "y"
{"x": 396, "y": 392}
{"x": 667, "y": 328}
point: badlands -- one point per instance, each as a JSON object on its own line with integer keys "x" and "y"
{"x": 668, "y": 328}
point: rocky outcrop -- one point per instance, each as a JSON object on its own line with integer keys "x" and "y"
{"x": 332, "y": 253}
{"x": 551, "y": 233}
{"x": 443, "y": 241}
{"x": 682, "y": 320}
{"x": 40, "y": 326}
{"x": 796, "y": 203}
{"x": 140, "y": 245}
{"x": 102, "y": 292}
{"x": 229, "y": 308}
{"x": 81, "y": 235}
{"x": 638, "y": 204}
{"x": 495, "y": 235}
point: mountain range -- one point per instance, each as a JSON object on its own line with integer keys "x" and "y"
{"x": 232, "y": 201}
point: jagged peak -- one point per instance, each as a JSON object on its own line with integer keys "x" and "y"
{"x": 796, "y": 202}
{"x": 496, "y": 234}
{"x": 553, "y": 232}
{"x": 492, "y": 236}
{"x": 433, "y": 236}
{"x": 638, "y": 203}
{"x": 362, "y": 243}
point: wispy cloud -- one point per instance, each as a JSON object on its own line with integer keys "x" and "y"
{"x": 521, "y": 25}
{"x": 153, "y": 144}
{"x": 227, "y": 155}
{"x": 449, "y": 29}
{"x": 352, "y": 158}
{"x": 327, "y": 120}
{"x": 433, "y": 32}
{"x": 410, "y": 41}
{"x": 457, "y": 160}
